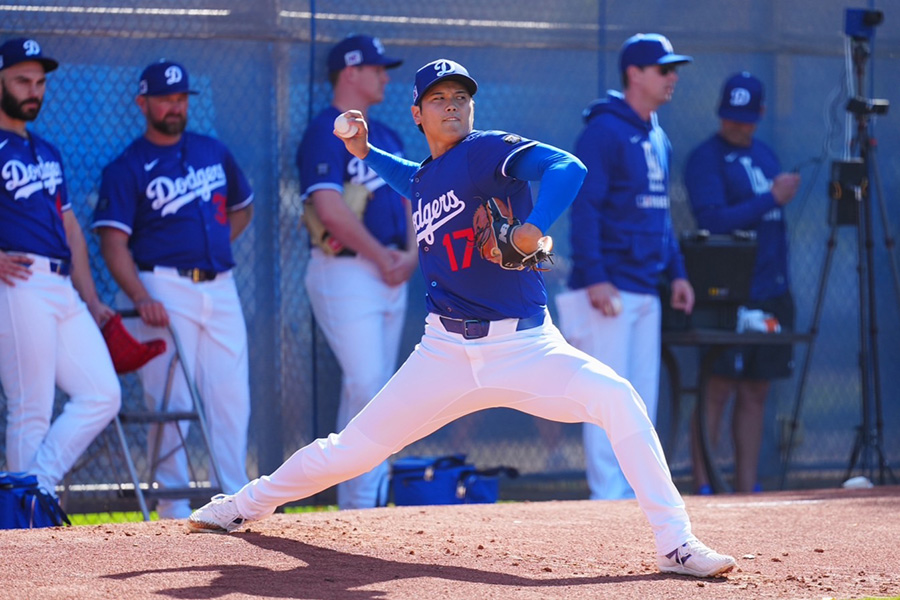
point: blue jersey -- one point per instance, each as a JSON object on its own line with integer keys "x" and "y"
{"x": 446, "y": 191}
{"x": 620, "y": 223}
{"x": 325, "y": 164}
{"x": 173, "y": 201}
{"x": 729, "y": 189}
{"x": 33, "y": 197}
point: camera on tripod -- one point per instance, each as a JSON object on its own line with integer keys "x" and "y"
{"x": 860, "y": 23}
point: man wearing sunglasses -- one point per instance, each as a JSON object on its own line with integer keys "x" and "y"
{"x": 622, "y": 240}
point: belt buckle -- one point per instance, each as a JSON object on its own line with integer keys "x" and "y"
{"x": 60, "y": 267}
{"x": 475, "y": 335}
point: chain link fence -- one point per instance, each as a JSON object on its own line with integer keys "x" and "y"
{"x": 260, "y": 71}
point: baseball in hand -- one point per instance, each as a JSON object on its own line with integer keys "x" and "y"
{"x": 615, "y": 305}
{"x": 344, "y": 128}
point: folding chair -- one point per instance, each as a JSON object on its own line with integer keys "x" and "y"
{"x": 147, "y": 487}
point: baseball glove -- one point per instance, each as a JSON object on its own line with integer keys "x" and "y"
{"x": 494, "y": 224}
{"x": 127, "y": 353}
{"x": 357, "y": 198}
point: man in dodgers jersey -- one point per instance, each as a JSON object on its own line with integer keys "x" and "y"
{"x": 622, "y": 241}
{"x": 358, "y": 293}
{"x": 169, "y": 207}
{"x": 49, "y": 309}
{"x": 734, "y": 181}
{"x": 488, "y": 339}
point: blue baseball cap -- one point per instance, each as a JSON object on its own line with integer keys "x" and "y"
{"x": 20, "y": 50}
{"x": 163, "y": 78}
{"x": 645, "y": 49}
{"x": 356, "y": 50}
{"x": 439, "y": 70}
{"x": 742, "y": 98}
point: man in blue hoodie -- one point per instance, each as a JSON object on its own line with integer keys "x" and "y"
{"x": 622, "y": 240}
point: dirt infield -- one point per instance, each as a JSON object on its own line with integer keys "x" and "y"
{"x": 789, "y": 545}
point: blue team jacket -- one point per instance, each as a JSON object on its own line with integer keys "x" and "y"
{"x": 730, "y": 188}
{"x": 621, "y": 228}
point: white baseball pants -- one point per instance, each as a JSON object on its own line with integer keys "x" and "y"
{"x": 629, "y": 343}
{"x": 208, "y": 319}
{"x": 48, "y": 338}
{"x": 446, "y": 377}
{"x": 362, "y": 319}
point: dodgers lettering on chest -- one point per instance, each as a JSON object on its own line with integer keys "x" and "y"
{"x": 758, "y": 180}
{"x": 360, "y": 173}
{"x": 22, "y": 180}
{"x": 432, "y": 216}
{"x": 168, "y": 194}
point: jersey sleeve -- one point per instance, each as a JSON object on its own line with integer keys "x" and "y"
{"x": 489, "y": 159}
{"x": 394, "y": 170}
{"x": 116, "y": 206}
{"x": 560, "y": 174}
{"x": 321, "y": 159}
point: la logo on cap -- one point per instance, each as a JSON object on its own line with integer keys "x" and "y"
{"x": 444, "y": 67}
{"x": 740, "y": 97}
{"x": 173, "y": 74}
{"x": 32, "y": 48}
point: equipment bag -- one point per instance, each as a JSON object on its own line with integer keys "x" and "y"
{"x": 23, "y": 505}
{"x": 424, "y": 480}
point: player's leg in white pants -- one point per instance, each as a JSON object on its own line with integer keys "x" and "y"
{"x": 629, "y": 344}
{"x": 48, "y": 337}
{"x": 211, "y": 330}
{"x": 446, "y": 378}
{"x": 223, "y": 378}
{"x": 362, "y": 319}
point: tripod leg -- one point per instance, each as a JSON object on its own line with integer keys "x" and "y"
{"x": 889, "y": 247}
{"x": 814, "y": 332}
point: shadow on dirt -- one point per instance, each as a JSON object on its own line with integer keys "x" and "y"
{"x": 331, "y": 575}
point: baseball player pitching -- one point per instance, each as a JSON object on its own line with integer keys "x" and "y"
{"x": 49, "y": 309}
{"x": 488, "y": 339}
{"x": 356, "y": 279}
{"x": 168, "y": 209}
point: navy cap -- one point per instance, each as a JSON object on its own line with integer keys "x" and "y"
{"x": 163, "y": 78}
{"x": 357, "y": 50}
{"x": 742, "y": 98}
{"x": 437, "y": 71}
{"x": 645, "y": 49}
{"x": 20, "y": 50}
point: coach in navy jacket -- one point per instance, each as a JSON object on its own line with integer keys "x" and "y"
{"x": 622, "y": 239}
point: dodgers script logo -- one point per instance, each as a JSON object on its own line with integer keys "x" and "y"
{"x": 360, "y": 173}
{"x": 429, "y": 217}
{"x": 25, "y": 180}
{"x": 171, "y": 194}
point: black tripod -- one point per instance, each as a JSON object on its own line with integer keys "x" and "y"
{"x": 851, "y": 204}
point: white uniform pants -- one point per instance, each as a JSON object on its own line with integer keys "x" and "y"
{"x": 48, "y": 338}
{"x": 629, "y": 343}
{"x": 446, "y": 377}
{"x": 362, "y": 319}
{"x": 208, "y": 319}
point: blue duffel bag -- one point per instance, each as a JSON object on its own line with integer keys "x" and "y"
{"x": 426, "y": 480}
{"x": 24, "y": 505}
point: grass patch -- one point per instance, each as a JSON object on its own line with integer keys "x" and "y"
{"x": 137, "y": 517}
